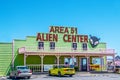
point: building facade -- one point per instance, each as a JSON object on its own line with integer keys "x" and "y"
{"x": 60, "y": 46}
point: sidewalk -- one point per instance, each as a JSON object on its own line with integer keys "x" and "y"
{"x": 3, "y": 78}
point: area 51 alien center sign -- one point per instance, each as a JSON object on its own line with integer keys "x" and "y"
{"x": 69, "y": 35}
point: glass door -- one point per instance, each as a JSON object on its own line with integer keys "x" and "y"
{"x": 83, "y": 64}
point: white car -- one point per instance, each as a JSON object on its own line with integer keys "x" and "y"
{"x": 21, "y": 71}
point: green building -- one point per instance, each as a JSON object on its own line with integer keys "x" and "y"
{"x": 60, "y": 46}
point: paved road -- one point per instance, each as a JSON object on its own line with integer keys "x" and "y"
{"x": 80, "y": 76}
{"x": 77, "y": 76}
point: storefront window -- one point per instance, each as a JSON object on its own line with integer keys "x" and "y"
{"x": 41, "y": 45}
{"x": 70, "y": 62}
{"x": 52, "y": 45}
{"x": 84, "y": 46}
{"x": 96, "y": 61}
{"x": 74, "y": 46}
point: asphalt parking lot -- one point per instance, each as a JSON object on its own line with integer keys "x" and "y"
{"x": 80, "y": 76}
{"x": 77, "y": 76}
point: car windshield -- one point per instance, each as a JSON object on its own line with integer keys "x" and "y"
{"x": 60, "y": 67}
{"x": 63, "y": 67}
{"x": 23, "y": 67}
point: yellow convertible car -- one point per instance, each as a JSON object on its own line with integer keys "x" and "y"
{"x": 61, "y": 71}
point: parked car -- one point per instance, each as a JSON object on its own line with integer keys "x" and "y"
{"x": 61, "y": 71}
{"x": 22, "y": 72}
{"x": 117, "y": 69}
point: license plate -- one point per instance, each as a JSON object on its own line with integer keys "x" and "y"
{"x": 25, "y": 71}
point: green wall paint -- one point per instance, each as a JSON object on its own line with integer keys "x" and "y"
{"x": 49, "y": 60}
{"x": 19, "y": 60}
{"x": 5, "y": 58}
{"x": 33, "y": 59}
{"x": 32, "y": 45}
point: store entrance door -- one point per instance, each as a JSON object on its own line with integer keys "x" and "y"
{"x": 83, "y": 64}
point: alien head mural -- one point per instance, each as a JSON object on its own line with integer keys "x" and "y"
{"x": 94, "y": 41}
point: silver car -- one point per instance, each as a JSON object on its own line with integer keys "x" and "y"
{"x": 21, "y": 71}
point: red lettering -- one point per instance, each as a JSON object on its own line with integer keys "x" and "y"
{"x": 42, "y": 37}
{"x": 78, "y": 38}
{"x": 55, "y": 37}
{"x": 69, "y": 38}
{"x": 72, "y": 31}
{"x": 86, "y": 38}
{"x": 61, "y": 29}
{"x": 73, "y": 38}
{"x": 81, "y": 38}
{"x": 52, "y": 29}
{"x": 57, "y": 29}
{"x": 66, "y": 30}
{"x": 76, "y": 30}
{"x": 38, "y": 37}
{"x": 64, "y": 38}
{"x": 50, "y": 37}
{"x": 47, "y": 37}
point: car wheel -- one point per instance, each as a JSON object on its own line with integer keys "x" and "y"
{"x": 50, "y": 73}
{"x": 70, "y": 75}
{"x": 11, "y": 77}
{"x": 28, "y": 77}
{"x": 15, "y": 77}
{"x": 59, "y": 74}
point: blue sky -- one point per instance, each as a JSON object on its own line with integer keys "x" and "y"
{"x": 21, "y": 18}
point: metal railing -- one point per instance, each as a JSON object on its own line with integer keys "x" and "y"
{"x": 34, "y": 67}
{"x": 37, "y": 67}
